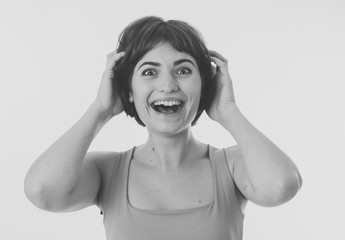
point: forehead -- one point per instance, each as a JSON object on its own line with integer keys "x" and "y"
{"x": 164, "y": 52}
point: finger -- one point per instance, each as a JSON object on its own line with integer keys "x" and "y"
{"x": 218, "y": 55}
{"x": 112, "y": 58}
{"x": 222, "y": 68}
{"x": 220, "y": 64}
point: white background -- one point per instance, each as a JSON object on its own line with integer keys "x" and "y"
{"x": 287, "y": 61}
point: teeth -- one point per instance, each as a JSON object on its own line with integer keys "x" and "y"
{"x": 167, "y": 103}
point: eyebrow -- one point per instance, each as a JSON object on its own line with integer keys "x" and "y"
{"x": 156, "y": 64}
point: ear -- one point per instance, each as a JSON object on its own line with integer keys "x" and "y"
{"x": 131, "y": 97}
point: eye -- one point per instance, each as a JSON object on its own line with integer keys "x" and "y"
{"x": 184, "y": 71}
{"x": 149, "y": 72}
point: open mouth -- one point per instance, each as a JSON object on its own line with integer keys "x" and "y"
{"x": 167, "y": 107}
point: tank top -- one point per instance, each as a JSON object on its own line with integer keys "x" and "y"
{"x": 221, "y": 219}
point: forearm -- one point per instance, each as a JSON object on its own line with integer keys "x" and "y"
{"x": 55, "y": 172}
{"x": 270, "y": 171}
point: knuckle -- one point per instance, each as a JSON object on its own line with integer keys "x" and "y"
{"x": 111, "y": 54}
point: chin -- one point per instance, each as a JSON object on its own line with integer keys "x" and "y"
{"x": 168, "y": 123}
{"x": 167, "y": 129}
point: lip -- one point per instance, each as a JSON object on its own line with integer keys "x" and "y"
{"x": 168, "y": 99}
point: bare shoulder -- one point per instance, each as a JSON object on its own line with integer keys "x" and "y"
{"x": 232, "y": 154}
{"x": 103, "y": 160}
{"x": 233, "y": 157}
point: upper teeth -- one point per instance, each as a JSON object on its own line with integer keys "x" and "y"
{"x": 167, "y": 103}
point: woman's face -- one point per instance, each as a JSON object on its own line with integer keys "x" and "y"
{"x": 166, "y": 88}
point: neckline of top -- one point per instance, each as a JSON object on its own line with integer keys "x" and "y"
{"x": 210, "y": 157}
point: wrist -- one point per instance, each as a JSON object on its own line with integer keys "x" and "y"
{"x": 226, "y": 118}
{"x": 102, "y": 116}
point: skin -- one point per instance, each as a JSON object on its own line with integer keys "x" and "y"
{"x": 264, "y": 173}
{"x": 170, "y": 135}
{"x": 66, "y": 177}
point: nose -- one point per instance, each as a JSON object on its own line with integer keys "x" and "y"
{"x": 167, "y": 83}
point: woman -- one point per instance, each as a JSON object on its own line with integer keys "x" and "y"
{"x": 172, "y": 186}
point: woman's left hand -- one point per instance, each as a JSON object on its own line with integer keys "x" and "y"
{"x": 224, "y": 99}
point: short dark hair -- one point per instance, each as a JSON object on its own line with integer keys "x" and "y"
{"x": 142, "y": 35}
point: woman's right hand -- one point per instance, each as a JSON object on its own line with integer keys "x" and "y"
{"x": 108, "y": 104}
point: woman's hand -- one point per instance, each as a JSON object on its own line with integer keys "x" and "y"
{"x": 264, "y": 174}
{"x": 109, "y": 105}
{"x": 224, "y": 100}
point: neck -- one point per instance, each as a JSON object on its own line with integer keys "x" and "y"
{"x": 169, "y": 153}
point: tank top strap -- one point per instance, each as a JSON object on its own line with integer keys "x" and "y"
{"x": 227, "y": 191}
{"x": 219, "y": 220}
{"x": 220, "y": 167}
{"x": 116, "y": 190}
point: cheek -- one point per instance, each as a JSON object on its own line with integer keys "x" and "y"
{"x": 196, "y": 90}
{"x": 140, "y": 95}
{"x": 140, "y": 90}
{"x": 139, "y": 99}
{"x": 136, "y": 89}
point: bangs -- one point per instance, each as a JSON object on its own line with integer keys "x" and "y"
{"x": 141, "y": 36}
{"x": 178, "y": 34}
